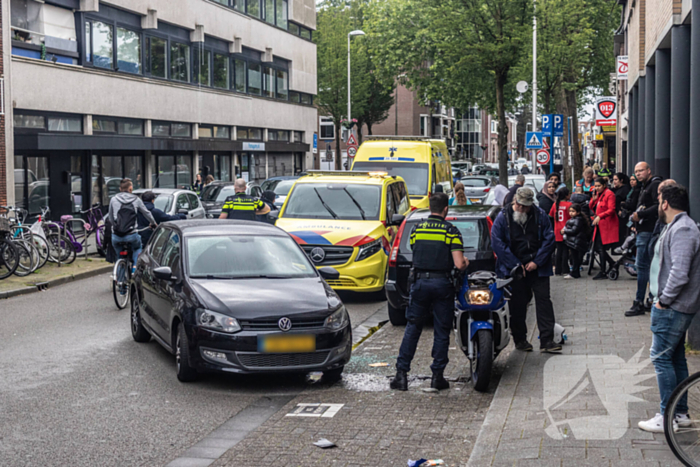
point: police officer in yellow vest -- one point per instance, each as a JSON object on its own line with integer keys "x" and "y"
{"x": 437, "y": 249}
{"x": 241, "y": 206}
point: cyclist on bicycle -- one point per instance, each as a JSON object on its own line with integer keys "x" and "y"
{"x": 123, "y": 210}
{"x": 158, "y": 215}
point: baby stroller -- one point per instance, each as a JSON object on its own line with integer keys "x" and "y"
{"x": 628, "y": 250}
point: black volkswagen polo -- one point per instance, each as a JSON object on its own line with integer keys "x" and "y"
{"x": 239, "y": 297}
{"x": 474, "y": 222}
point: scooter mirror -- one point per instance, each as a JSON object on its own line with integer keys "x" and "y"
{"x": 516, "y": 273}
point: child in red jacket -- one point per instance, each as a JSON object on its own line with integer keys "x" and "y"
{"x": 560, "y": 214}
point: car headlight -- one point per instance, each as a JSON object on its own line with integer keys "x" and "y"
{"x": 338, "y": 320}
{"x": 369, "y": 249}
{"x": 479, "y": 297}
{"x": 217, "y": 321}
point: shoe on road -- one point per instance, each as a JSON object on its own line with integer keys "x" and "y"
{"x": 525, "y": 346}
{"x": 636, "y": 310}
{"x": 683, "y": 420}
{"x": 568, "y": 276}
{"x": 656, "y": 424}
{"x": 550, "y": 347}
{"x": 601, "y": 275}
{"x": 439, "y": 382}
{"x": 400, "y": 381}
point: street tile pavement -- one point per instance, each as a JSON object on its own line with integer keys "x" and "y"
{"x": 581, "y": 407}
{"x": 376, "y": 426}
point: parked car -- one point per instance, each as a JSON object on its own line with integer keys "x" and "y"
{"x": 474, "y": 222}
{"x": 476, "y": 188}
{"x": 488, "y": 171}
{"x": 214, "y": 195}
{"x": 187, "y": 289}
{"x": 534, "y": 181}
{"x": 462, "y": 165}
{"x": 281, "y": 187}
{"x": 175, "y": 201}
{"x": 477, "y": 168}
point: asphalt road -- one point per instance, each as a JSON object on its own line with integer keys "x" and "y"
{"x": 75, "y": 389}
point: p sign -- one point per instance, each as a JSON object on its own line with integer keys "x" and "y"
{"x": 558, "y": 127}
{"x": 547, "y": 125}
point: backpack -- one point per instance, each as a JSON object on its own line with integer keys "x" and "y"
{"x": 126, "y": 220}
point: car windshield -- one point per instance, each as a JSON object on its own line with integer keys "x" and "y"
{"x": 163, "y": 202}
{"x": 283, "y": 187}
{"x": 415, "y": 175}
{"x": 472, "y": 231}
{"x": 343, "y": 201}
{"x": 246, "y": 256}
{"x": 537, "y": 182}
{"x": 475, "y": 182}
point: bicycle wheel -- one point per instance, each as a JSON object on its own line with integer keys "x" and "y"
{"x": 9, "y": 258}
{"x": 26, "y": 262}
{"x": 42, "y": 247}
{"x": 684, "y": 441}
{"x": 62, "y": 247}
{"x": 120, "y": 283}
{"x": 99, "y": 240}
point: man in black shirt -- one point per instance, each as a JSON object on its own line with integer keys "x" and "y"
{"x": 437, "y": 249}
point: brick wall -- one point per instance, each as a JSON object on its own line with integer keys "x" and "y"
{"x": 3, "y": 150}
{"x": 658, "y": 15}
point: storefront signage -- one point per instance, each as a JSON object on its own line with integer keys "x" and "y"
{"x": 253, "y": 146}
{"x": 622, "y": 67}
{"x": 605, "y": 114}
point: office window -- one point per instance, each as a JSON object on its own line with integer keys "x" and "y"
{"x": 100, "y": 125}
{"x": 298, "y": 136}
{"x": 179, "y": 62}
{"x": 220, "y": 71}
{"x": 204, "y": 131}
{"x": 253, "y": 8}
{"x": 254, "y": 134}
{"x": 294, "y": 29}
{"x": 268, "y": 82}
{"x": 238, "y": 5}
{"x": 130, "y": 127}
{"x": 278, "y": 135}
{"x": 327, "y": 128}
{"x": 306, "y": 99}
{"x": 254, "y": 78}
{"x": 222, "y": 132}
{"x": 282, "y": 91}
{"x": 160, "y": 129}
{"x": 305, "y": 33}
{"x": 128, "y": 51}
{"x": 293, "y": 96}
{"x": 33, "y": 122}
{"x": 201, "y": 60}
{"x": 223, "y": 2}
{"x": 65, "y": 124}
{"x": 270, "y": 11}
{"x": 281, "y": 13}
{"x": 101, "y": 44}
{"x": 156, "y": 57}
{"x": 239, "y": 75}
{"x": 181, "y": 130}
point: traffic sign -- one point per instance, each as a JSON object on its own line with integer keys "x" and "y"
{"x": 352, "y": 141}
{"x": 543, "y": 157}
{"x": 352, "y": 150}
{"x": 558, "y": 127}
{"x": 315, "y": 143}
{"x": 605, "y": 111}
{"x": 533, "y": 140}
{"x": 546, "y": 125}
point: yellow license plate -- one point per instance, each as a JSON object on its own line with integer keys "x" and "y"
{"x": 475, "y": 200}
{"x": 286, "y": 344}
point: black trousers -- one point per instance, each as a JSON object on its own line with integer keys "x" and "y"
{"x": 561, "y": 260}
{"x": 602, "y": 251}
{"x": 523, "y": 290}
{"x": 576, "y": 260}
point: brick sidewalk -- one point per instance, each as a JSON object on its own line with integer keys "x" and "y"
{"x": 594, "y": 393}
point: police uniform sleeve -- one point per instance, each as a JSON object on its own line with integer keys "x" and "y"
{"x": 413, "y": 235}
{"x": 454, "y": 239}
{"x": 259, "y": 204}
{"x": 228, "y": 205}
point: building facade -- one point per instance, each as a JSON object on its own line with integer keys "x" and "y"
{"x": 154, "y": 91}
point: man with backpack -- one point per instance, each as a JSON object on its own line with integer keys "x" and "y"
{"x": 124, "y": 208}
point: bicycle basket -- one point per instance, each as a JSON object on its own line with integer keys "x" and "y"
{"x": 4, "y": 224}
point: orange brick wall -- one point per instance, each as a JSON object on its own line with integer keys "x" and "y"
{"x": 658, "y": 15}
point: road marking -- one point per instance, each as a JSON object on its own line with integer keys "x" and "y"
{"x": 315, "y": 410}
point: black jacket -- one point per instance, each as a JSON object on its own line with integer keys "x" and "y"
{"x": 511, "y": 194}
{"x": 576, "y": 233}
{"x": 583, "y": 200}
{"x": 621, "y": 196}
{"x": 648, "y": 198}
{"x": 524, "y": 171}
{"x": 545, "y": 203}
{"x": 159, "y": 216}
{"x": 630, "y": 204}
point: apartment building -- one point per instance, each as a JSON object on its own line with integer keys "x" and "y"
{"x": 156, "y": 91}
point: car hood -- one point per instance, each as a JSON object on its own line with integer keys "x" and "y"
{"x": 325, "y": 232}
{"x": 264, "y": 298}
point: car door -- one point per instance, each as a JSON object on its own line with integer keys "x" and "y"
{"x": 149, "y": 284}
{"x": 169, "y": 291}
{"x": 182, "y": 204}
{"x": 196, "y": 208}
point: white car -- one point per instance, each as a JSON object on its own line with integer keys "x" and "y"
{"x": 176, "y": 201}
{"x": 535, "y": 181}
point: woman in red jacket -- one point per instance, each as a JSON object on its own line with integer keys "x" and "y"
{"x": 606, "y": 224}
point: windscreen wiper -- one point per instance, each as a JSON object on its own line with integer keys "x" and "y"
{"x": 362, "y": 211}
{"x": 335, "y": 216}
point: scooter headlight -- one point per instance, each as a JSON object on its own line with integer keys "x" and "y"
{"x": 479, "y": 297}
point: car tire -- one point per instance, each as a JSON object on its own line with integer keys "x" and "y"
{"x": 397, "y": 316}
{"x": 138, "y": 332}
{"x": 185, "y": 373}
{"x": 333, "y": 376}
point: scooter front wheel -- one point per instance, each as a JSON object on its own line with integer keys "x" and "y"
{"x": 483, "y": 364}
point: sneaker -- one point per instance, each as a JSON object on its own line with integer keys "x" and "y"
{"x": 568, "y": 276}
{"x": 601, "y": 275}
{"x": 550, "y": 347}
{"x": 636, "y": 310}
{"x": 655, "y": 425}
{"x": 525, "y": 346}
{"x": 683, "y": 420}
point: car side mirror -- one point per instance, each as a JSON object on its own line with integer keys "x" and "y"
{"x": 397, "y": 219}
{"x": 182, "y": 211}
{"x": 329, "y": 273}
{"x": 439, "y": 188}
{"x": 164, "y": 273}
{"x": 273, "y": 215}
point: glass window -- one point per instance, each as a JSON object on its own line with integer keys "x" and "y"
{"x": 183, "y": 202}
{"x": 205, "y": 132}
{"x": 305, "y": 33}
{"x": 97, "y": 181}
{"x": 220, "y": 71}
{"x": 238, "y": 5}
{"x": 270, "y": 11}
{"x": 254, "y": 78}
{"x": 250, "y": 133}
{"x": 282, "y": 90}
{"x": 239, "y": 72}
{"x": 268, "y": 82}
{"x": 65, "y": 124}
{"x": 194, "y": 201}
{"x": 134, "y": 127}
{"x": 102, "y": 44}
{"x": 184, "y": 171}
{"x": 128, "y": 51}
{"x": 225, "y": 168}
{"x": 179, "y": 62}
{"x": 181, "y": 130}
{"x": 242, "y": 133}
{"x": 100, "y": 125}
{"x": 88, "y": 41}
{"x": 163, "y": 202}
{"x": 37, "y": 177}
{"x": 415, "y": 175}
{"x": 294, "y": 29}
{"x": 160, "y": 129}
{"x": 112, "y": 177}
{"x": 171, "y": 253}
{"x": 202, "y": 58}
{"x": 133, "y": 170}
{"x": 306, "y": 99}
{"x": 34, "y": 122}
{"x": 327, "y": 128}
{"x": 223, "y": 2}
{"x": 305, "y": 201}
{"x": 166, "y": 172}
{"x": 298, "y": 136}
{"x": 223, "y": 132}
{"x": 20, "y": 182}
{"x": 162, "y": 237}
{"x": 278, "y": 135}
{"x": 282, "y": 13}
{"x": 156, "y": 57}
{"x": 253, "y": 8}
{"x": 293, "y": 96}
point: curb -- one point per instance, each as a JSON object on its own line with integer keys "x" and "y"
{"x": 40, "y": 286}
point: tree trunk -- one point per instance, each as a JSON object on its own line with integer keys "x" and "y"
{"x": 369, "y": 129}
{"x": 359, "y": 133}
{"x": 502, "y": 129}
{"x": 576, "y": 153}
{"x": 338, "y": 154}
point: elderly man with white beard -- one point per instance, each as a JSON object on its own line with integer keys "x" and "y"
{"x": 522, "y": 236}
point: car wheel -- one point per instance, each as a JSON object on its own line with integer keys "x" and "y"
{"x": 185, "y": 372}
{"x": 397, "y": 316}
{"x": 138, "y": 332}
{"x": 333, "y": 376}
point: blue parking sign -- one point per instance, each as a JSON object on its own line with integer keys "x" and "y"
{"x": 547, "y": 125}
{"x": 558, "y": 125}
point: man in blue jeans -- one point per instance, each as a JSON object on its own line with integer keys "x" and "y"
{"x": 675, "y": 284}
{"x": 121, "y": 208}
{"x": 645, "y": 218}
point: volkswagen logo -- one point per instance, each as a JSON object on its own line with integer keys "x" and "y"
{"x": 318, "y": 255}
{"x": 285, "y": 324}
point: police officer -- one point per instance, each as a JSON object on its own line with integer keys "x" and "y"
{"x": 437, "y": 249}
{"x": 241, "y": 206}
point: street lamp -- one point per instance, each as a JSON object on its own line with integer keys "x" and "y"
{"x": 356, "y": 32}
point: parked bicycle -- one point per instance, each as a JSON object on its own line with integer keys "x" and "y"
{"x": 60, "y": 244}
{"x": 79, "y": 231}
{"x": 9, "y": 256}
